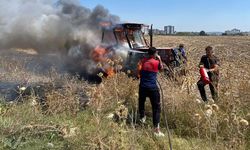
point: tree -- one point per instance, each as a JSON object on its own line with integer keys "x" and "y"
{"x": 202, "y": 33}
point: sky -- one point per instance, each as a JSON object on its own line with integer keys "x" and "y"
{"x": 185, "y": 15}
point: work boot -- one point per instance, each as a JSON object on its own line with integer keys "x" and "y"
{"x": 158, "y": 133}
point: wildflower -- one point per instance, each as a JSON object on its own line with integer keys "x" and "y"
{"x": 215, "y": 107}
{"x": 108, "y": 61}
{"x": 237, "y": 102}
{"x": 209, "y": 112}
{"x": 88, "y": 94}
{"x": 123, "y": 73}
{"x": 211, "y": 100}
{"x": 119, "y": 67}
{"x": 99, "y": 65}
{"x": 70, "y": 132}
{"x": 235, "y": 121}
{"x": 244, "y": 122}
{"x": 110, "y": 116}
{"x": 122, "y": 107}
{"x": 22, "y": 88}
{"x": 50, "y": 145}
{"x": 198, "y": 101}
{"x": 208, "y": 107}
{"x": 101, "y": 85}
{"x": 233, "y": 115}
{"x": 136, "y": 94}
{"x": 73, "y": 131}
{"x": 122, "y": 112}
{"x": 120, "y": 59}
{"x": 100, "y": 74}
{"x": 112, "y": 63}
{"x": 113, "y": 125}
{"x": 197, "y": 116}
{"x": 226, "y": 120}
{"x": 227, "y": 93}
{"x": 34, "y": 103}
{"x": 236, "y": 95}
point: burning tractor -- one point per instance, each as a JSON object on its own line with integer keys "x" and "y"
{"x": 123, "y": 42}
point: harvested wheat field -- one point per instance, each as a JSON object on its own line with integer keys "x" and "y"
{"x": 80, "y": 115}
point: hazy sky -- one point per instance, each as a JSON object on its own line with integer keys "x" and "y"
{"x": 185, "y": 15}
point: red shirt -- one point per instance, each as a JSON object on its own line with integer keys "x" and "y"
{"x": 149, "y": 70}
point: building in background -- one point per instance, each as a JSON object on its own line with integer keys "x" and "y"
{"x": 246, "y": 33}
{"x": 232, "y": 32}
{"x": 169, "y": 29}
{"x": 214, "y": 33}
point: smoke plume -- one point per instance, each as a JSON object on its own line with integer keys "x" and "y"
{"x": 46, "y": 25}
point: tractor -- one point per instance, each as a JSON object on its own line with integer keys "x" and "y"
{"x": 126, "y": 40}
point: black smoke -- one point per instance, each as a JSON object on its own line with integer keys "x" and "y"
{"x": 46, "y": 25}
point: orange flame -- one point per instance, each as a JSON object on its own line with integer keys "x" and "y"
{"x": 110, "y": 71}
{"x": 99, "y": 55}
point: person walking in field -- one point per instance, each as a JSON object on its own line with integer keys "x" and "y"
{"x": 179, "y": 62}
{"x": 180, "y": 55}
{"x": 150, "y": 66}
{"x": 211, "y": 63}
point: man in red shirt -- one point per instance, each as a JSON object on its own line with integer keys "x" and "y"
{"x": 150, "y": 66}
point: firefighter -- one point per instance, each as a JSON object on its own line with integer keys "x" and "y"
{"x": 150, "y": 66}
{"x": 211, "y": 63}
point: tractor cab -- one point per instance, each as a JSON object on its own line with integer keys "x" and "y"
{"x": 129, "y": 37}
{"x": 125, "y": 40}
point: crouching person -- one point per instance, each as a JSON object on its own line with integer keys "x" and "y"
{"x": 211, "y": 63}
{"x": 150, "y": 66}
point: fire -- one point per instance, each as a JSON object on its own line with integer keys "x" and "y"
{"x": 110, "y": 72}
{"x": 100, "y": 56}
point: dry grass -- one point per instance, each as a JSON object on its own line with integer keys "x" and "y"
{"x": 194, "y": 125}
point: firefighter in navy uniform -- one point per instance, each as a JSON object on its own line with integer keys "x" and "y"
{"x": 150, "y": 66}
{"x": 211, "y": 63}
